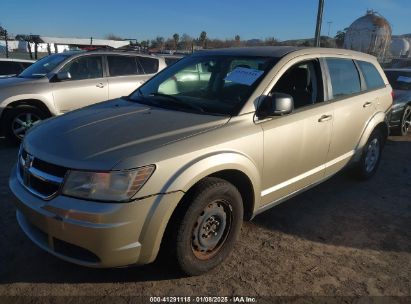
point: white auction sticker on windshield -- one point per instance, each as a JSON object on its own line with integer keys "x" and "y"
{"x": 244, "y": 75}
{"x": 404, "y": 79}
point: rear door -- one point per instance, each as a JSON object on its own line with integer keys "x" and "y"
{"x": 124, "y": 75}
{"x": 352, "y": 110}
{"x": 86, "y": 86}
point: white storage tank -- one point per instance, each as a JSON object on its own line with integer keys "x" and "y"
{"x": 370, "y": 34}
{"x": 400, "y": 47}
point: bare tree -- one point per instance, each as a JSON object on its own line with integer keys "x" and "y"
{"x": 176, "y": 38}
{"x": 112, "y": 36}
{"x": 158, "y": 43}
{"x": 186, "y": 41}
{"x": 271, "y": 41}
{"x": 4, "y": 35}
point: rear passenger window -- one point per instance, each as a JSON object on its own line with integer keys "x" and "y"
{"x": 371, "y": 75}
{"x": 150, "y": 65}
{"x": 122, "y": 65}
{"x": 345, "y": 79}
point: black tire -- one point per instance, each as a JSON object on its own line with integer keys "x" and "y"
{"x": 404, "y": 127}
{"x": 11, "y": 124}
{"x": 371, "y": 156}
{"x": 211, "y": 201}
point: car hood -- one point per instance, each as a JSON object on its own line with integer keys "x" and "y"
{"x": 12, "y": 81}
{"x": 99, "y": 136}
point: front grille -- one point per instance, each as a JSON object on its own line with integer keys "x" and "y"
{"x": 41, "y": 178}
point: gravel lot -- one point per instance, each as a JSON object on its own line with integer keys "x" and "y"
{"x": 343, "y": 237}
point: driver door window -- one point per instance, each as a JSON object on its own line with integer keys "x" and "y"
{"x": 303, "y": 82}
{"x": 87, "y": 67}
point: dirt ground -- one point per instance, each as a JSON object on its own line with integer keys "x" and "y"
{"x": 343, "y": 237}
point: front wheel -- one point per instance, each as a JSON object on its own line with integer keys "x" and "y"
{"x": 210, "y": 226}
{"x": 405, "y": 122}
{"x": 371, "y": 156}
{"x": 18, "y": 120}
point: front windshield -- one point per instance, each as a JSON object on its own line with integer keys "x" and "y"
{"x": 218, "y": 85}
{"x": 43, "y": 66}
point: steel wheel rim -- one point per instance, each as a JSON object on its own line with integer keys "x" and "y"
{"x": 22, "y": 122}
{"x": 211, "y": 229}
{"x": 406, "y": 122}
{"x": 372, "y": 155}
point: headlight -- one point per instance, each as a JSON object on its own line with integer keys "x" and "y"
{"x": 106, "y": 186}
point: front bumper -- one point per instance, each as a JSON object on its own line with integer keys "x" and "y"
{"x": 91, "y": 233}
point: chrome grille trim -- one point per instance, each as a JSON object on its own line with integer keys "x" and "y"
{"x": 45, "y": 176}
{"x": 32, "y": 172}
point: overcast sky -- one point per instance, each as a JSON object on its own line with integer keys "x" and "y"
{"x": 283, "y": 19}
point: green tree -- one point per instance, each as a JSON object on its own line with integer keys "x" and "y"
{"x": 203, "y": 39}
{"x": 237, "y": 40}
{"x": 339, "y": 38}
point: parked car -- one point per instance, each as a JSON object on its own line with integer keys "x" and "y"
{"x": 400, "y": 63}
{"x": 63, "y": 82}
{"x": 400, "y": 80}
{"x": 11, "y": 67}
{"x": 110, "y": 184}
{"x": 170, "y": 59}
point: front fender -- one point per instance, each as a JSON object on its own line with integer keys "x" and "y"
{"x": 181, "y": 181}
{"x": 197, "y": 169}
{"x": 46, "y": 99}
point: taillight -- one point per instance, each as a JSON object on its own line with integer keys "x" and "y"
{"x": 392, "y": 94}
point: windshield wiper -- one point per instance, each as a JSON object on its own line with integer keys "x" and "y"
{"x": 178, "y": 102}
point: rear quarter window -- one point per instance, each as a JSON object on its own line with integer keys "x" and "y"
{"x": 345, "y": 80}
{"x": 149, "y": 65}
{"x": 371, "y": 75}
{"x": 9, "y": 68}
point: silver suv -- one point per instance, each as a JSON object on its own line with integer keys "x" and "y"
{"x": 180, "y": 162}
{"x": 63, "y": 82}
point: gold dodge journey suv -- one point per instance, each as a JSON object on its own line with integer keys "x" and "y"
{"x": 216, "y": 138}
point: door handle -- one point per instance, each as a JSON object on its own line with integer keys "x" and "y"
{"x": 367, "y": 104}
{"x": 325, "y": 118}
{"x": 100, "y": 85}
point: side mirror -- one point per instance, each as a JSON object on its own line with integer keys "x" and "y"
{"x": 276, "y": 105}
{"x": 63, "y": 76}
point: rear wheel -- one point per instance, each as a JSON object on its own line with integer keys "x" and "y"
{"x": 210, "y": 226}
{"x": 371, "y": 156}
{"x": 17, "y": 121}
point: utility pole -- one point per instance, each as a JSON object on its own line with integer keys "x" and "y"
{"x": 6, "y": 38}
{"x": 319, "y": 22}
